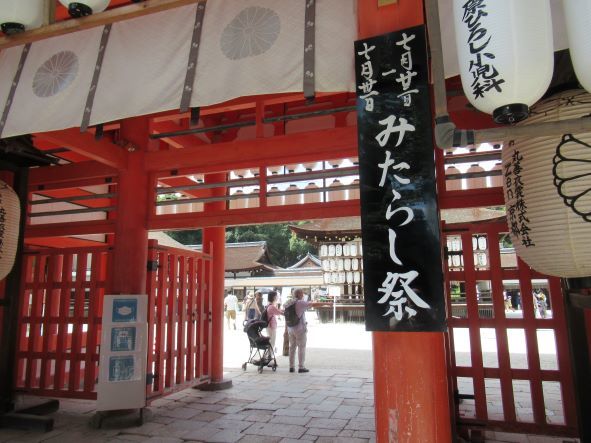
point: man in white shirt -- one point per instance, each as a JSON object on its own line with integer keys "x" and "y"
{"x": 230, "y": 304}
{"x": 298, "y": 333}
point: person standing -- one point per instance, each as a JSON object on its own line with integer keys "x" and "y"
{"x": 231, "y": 305}
{"x": 272, "y": 312}
{"x": 298, "y": 333}
{"x": 251, "y": 308}
{"x": 258, "y": 296}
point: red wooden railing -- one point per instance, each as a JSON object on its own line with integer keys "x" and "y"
{"x": 514, "y": 390}
{"x": 61, "y": 314}
{"x": 60, "y": 321}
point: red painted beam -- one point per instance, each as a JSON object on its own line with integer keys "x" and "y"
{"x": 70, "y": 174}
{"x": 73, "y": 228}
{"x": 102, "y": 151}
{"x": 471, "y": 199}
{"x": 285, "y": 149}
{"x": 178, "y": 142}
{"x": 251, "y": 216}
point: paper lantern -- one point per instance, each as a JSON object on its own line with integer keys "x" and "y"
{"x": 292, "y": 199}
{"x": 312, "y": 197}
{"x": 505, "y": 53}
{"x": 84, "y": 8}
{"x": 547, "y": 190}
{"x": 452, "y": 184}
{"x": 354, "y": 193}
{"x": 9, "y": 227}
{"x": 578, "y": 22}
{"x": 339, "y": 194}
{"x": 272, "y": 198}
{"x": 20, "y": 15}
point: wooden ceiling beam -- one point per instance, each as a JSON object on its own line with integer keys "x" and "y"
{"x": 178, "y": 142}
{"x": 284, "y": 149}
{"x": 251, "y": 216}
{"x": 71, "y": 228}
{"x": 84, "y": 143}
{"x": 82, "y": 172}
{"x": 92, "y": 21}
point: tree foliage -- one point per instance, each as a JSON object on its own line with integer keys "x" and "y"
{"x": 285, "y": 249}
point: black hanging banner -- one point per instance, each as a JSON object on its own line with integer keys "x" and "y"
{"x": 402, "y": 264}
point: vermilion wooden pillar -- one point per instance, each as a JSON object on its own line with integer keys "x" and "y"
{"x": 410, "y": 371}
{"x": 214, "y": 242}
{"x": 130, "y": 254}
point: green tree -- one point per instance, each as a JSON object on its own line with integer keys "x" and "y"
{"x": 284, "y": 247}
{"x": 192, "y": 237}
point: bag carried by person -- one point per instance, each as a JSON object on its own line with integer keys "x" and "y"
{"x": 291, "y": 317}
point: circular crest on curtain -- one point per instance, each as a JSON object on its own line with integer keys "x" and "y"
{"x": 505, "y": 53}
{"x": 9, "y": 227}
{"x": 547, "y": 187}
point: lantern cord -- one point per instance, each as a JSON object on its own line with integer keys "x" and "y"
{"x": 446, "y": 133}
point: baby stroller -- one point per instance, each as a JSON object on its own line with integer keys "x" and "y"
{"x": 261, "y": 351}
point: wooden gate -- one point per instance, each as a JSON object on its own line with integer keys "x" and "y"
{"x": 179, "y": 315}
{"x": 509, "y": 351}
{"x": 60, "y": 320}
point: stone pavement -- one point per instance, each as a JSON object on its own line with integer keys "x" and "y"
{"x": 332, "y": 403}
{"x": 273, "y": 407}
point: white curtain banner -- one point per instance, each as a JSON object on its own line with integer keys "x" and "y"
{"x": 248, "y": 47}
{"x": 52, "y": 90}
{"x": 144, "y": 66}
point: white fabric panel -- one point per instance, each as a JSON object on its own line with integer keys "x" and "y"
{"x": 144, "y": 67}
{"x": 249, "y": 47}
{"x": 336, "y": 31}
{"x": 54, "y": 83}
{"x": 9, "y": 59}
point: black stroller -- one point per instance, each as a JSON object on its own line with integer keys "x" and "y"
{"x": 261, "y": 351}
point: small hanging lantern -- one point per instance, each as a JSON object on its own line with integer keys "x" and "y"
{"x": 20, "y": 15}
{"x": 578, "y": 22}
{"x": 505, "y": 54}
{"x": 9, "y": 227}
{"x": 87, "y": 7}
{"x": 547, "y": 187}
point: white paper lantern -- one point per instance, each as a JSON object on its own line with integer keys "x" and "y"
{"x": 9, "y": 227}
{"x": 578, "y": 22}
{"x": 547, "y": 190}
{"x": 86, "y": 7}
{"x": 20, "y": 15}
{"x": 505, "y": 53}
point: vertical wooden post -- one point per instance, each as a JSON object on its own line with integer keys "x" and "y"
{"x": 214, "y": 243}
{"x": 130, "y": 255}
{"x": 579, "y": 351}
{"x": 410, "y": 370}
